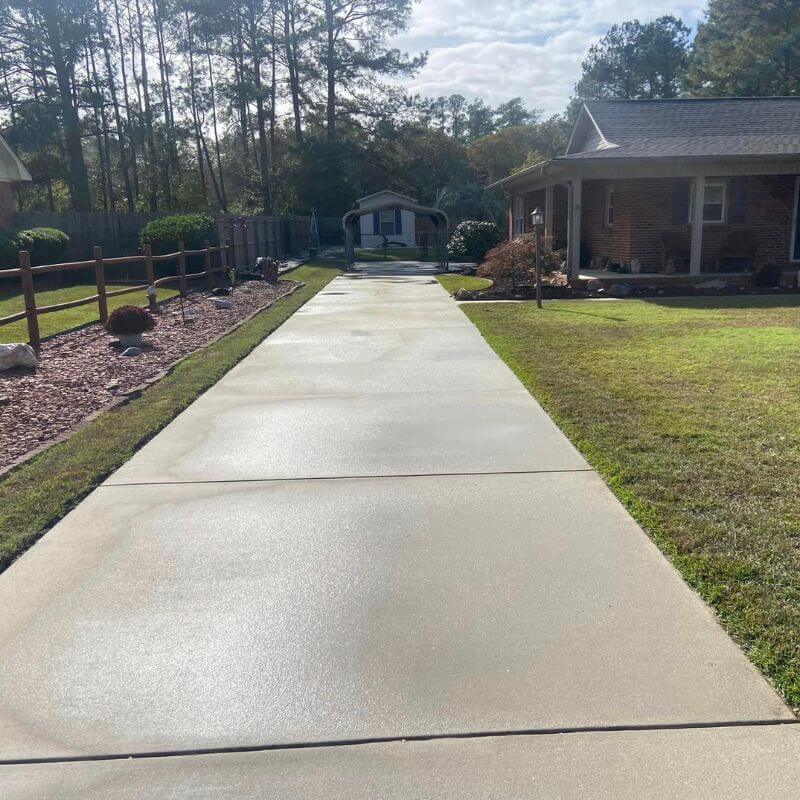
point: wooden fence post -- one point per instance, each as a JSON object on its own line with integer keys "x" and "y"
{"x": 26, "y": 277}
{"x": 209, "y": 280}
{"x": 181, "y": 270}
{"x": 229, "y": 264}
{"x": 100, "y": 279}
{"x": 151, "y": 276}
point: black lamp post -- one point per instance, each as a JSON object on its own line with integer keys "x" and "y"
{"x": 537, "y": 220}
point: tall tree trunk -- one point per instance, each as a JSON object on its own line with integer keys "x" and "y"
{"x": 223, "y": 196}
{"x": 134, "y": 129}
{"x": 263, "y": 152}
{"x": 78, "y": 175}
{"x": 291, "y": 63}
{"x": 330, "y": 69}
{"x": 123, "y": 160}
{"x": 98, "y": 101}
{"x": 167, "y": 162}
{"x": 239, "y": 73}
{"x": 148, "y": 113}
{"x": 198, "y": 134}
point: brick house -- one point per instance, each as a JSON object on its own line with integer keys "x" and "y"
{"x": 12, "y": 171}
{"x": 678, "y": 188}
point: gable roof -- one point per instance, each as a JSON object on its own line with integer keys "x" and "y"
{"x": 386, "y": 192}
{"x": 747, "y": 126}
{"x": 11, "y": 168}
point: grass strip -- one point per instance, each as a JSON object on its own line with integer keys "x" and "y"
{"x": 688, "y": 408}
{"x": 39, "y": 493}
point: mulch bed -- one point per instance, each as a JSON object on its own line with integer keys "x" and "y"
{"x": 80, "y": 372}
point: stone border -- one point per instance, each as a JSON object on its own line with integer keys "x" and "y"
{"x": 136, "y": 391}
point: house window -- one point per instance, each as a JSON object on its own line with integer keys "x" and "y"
{"x": 387, "y": 222}
{"x": 610, "y": 208}
{"x": 518, "y": 219}
{"x": 715, "y": 201}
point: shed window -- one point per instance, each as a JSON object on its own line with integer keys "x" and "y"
{"x": 518, "y": 226}
{"x": 610, "y": 208}
{"x": 715, "y": 201}
{"x": 387, "y": 222}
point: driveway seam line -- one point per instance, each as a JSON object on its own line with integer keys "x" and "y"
{"x": 348, "y": 477}
{"x": 203, "y": 751}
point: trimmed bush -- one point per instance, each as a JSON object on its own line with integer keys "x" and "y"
{"x": 46, "y": 245}
{"x": 471, "y": 240}
{"x": 9, "y": 251}
{"x": 164, "y": 234}
{"x": 129, "y": 320}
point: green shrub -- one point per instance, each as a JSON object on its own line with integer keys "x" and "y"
{"x": 164, "y": 234}
{"x": 471, "y": 240}
{"x": 9, "y": 250}
{"x": 46, "y": 245}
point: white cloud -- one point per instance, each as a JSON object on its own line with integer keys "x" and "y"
{"x": 496, "y": 50}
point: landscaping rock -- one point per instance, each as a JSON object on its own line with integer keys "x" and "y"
{"x": 619, "y": 290}
{"x": 17, "y": 355}
{"x": 132, "y": 351}
{"x": 78, "y": 373}
{"x": 594, "y": 285}
{"x": 717, "y": 283}
{"x": 4, "y": 400}
{"x": 464, "y": 294}
{"x": 219, "y": 302}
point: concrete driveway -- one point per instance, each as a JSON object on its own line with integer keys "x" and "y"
{"x": 367, "y": 564}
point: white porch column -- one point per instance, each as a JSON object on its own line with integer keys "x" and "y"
{"x": 696, "y": 251}
{"x": 548, "y": 211}
{"x": 575, "y": 228}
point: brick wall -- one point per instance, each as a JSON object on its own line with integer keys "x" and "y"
{"x": 8, "y": 204}
{"x": 643, "y": 211}
{"x": 560, "y": 211}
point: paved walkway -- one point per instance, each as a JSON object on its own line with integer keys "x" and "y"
{"x": 368, "y": 531}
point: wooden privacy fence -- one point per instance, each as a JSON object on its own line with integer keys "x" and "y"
{"x": 225, "y": 255}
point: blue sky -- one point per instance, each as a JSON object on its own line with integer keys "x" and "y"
{"x": 498, "y": 49}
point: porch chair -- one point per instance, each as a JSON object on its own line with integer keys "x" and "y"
{"x": 675, "y": 254}
{"x": 738, "y": 251}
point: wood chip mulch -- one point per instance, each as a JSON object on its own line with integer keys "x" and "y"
{"x": 80, "y": 372}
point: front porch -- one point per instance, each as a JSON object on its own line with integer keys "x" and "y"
{"x": 656, "y": 224}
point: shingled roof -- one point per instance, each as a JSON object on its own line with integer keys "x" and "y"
{"x": 616, "y": 129}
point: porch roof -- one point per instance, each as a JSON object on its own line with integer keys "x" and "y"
{"x": 641, "y": 138}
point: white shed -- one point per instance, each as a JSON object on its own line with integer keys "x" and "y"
{"x": 395, "y": 223}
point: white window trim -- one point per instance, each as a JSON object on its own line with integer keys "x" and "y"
{"x": 711, "y": 182}
{"x": 792, "y": 259}
{"x": 609, "y": 206}
{"x": 391, "y": 222}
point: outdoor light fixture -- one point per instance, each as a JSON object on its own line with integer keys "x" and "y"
{"x": 537, "y": 220}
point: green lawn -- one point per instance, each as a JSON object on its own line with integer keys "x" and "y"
{"x": 11, "y": 301}
{"x": 453, "y": 282}
{"x": 690, "y": 409}
{"x": 34, "y": 496}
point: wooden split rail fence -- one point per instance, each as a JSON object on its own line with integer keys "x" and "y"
{"x": 226, "y": 254}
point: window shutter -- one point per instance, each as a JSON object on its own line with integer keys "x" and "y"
{"x": 680, "y": 203}
{"x": 398, "y": 221}
{"x": 376, "y": 222}
{"x": 736, "y": 209}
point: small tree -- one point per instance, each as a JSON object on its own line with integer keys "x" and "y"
{"x": 512, "y": 264}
